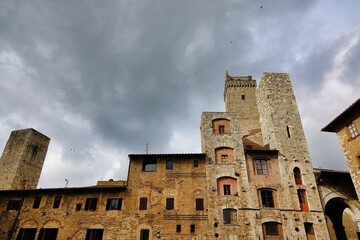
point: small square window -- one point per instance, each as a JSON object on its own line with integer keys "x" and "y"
{"x": 196, "y": 163}
{"x": 94, "y": 234}
{"x": 169, "y": 203}
{"x": 261, "y": 167}
{"x": 143, "y": 203}
{"x": 26, "y": 234}
{"x": 149, "y": 166}
{"x": 78, "y": 207}
{"x": 267, "y": 199}
{"x": 271, "y": 229}
{"x": 144, "y": 234}
{"x": 242, "y": 97}
{"x": 199, "y": 204}
{"x": 192, "y": 228}
{"x": 36, "y": 203}
{"x": 221, "y": 129}
{"x": 227, "y": 189}
{"x": 48, "y": 234}
{"x": 57, "y": 201}
{"x": 178, "y": 228}
{"x": 224, "y": 159}
{"x": 352, "y": 130}
{"x": 169, "y": 165}
{"x": 90, "y": 204}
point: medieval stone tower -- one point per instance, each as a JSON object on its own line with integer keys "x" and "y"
{"x": 259, "y": 171}
{"x": 22, "y": 159}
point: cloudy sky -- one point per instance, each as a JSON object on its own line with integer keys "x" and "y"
{"x": 103, "y": 78}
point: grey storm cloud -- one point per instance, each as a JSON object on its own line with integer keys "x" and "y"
{"x": 103, "y": 79}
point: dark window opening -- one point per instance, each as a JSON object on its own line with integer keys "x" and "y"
{"x": 288, "y": 131}
{"x": 114, "y": 204}
{"x": 35, "y": 150}
{"x": 169, "y": 165}
{"x": 271, "y": 229}
{"x": 309, "y": 229}
{"x": 57, "y": 201}
{"x": 37, "y": 202}
{"x": 297, "y": 176}
{"x": 144, "y": 234}
{"x": 229, "y": 216}
{"x": 199, "y": 204}
{"x": 178, "y": 228}
{"x": 192, "y": 228}
{"x": 261, "y": 166}
{"x": 227, "y": 189}
{"x": 149, "y": 166}
{"x": 90, "y": 204}
{"x": 267, "y": 199}
{"x": 242, "y": 97}
{"x": 94, "y": 234}
{"x": 169, "y": 203}
{"x": 78, "y": 207}
{"x": 48, "y": 234}
{"x": 143, "y": 203}
{"x": 14, "y": 205}
{"x": 221, "y": 129}
{"x": 196, "y": 163}
{"x": 26, "y": 234}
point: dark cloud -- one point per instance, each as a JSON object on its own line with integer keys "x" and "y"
{"x": 107, "y": 78}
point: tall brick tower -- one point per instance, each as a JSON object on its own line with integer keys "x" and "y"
{"x": 22, "y": 159}
{"x": 259, "y": 172}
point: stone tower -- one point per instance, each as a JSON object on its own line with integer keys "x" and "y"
{"x": 259, "y": 172}
{"x": 22, "y": 159}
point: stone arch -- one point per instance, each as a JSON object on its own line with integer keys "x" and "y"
{"x": 52, "y": 223}
{"x": 30, "y": 223}
{"x": 227, "y": 186}
{"x": 224, "y": 155}
{"x": 221, "y": 125}
{"x": 297, "y": 176}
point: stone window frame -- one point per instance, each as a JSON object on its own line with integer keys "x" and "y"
{"x": 223, "y": 181}
{"x": 144, "y": 234}
{"x": 143, "y": 203}
{"x": 224, "y": 155}
{"x": 229, "y": 216}
{"x": 271, "y": 229}
{"x": 199, "y": 204}
{"x": 267, "y": 197}
{"x": 94, "y": 234}
{"x": 170, "y": 203}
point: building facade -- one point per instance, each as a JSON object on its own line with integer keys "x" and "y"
{"x": 253, "y": 180}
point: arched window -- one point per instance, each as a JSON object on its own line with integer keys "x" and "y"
{"x": 169, "y": 165}
{"x": 267, "y": 198}
{"x": 229, "y": 216}
{"x": 224, "y": 155}
{"x": 221, "y": 126}
{"x": 227, "y": 186}
{"x": 297, "y": 176}
{"x": 272, "y": 229}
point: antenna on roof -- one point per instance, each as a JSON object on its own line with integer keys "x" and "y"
{"x": 147, "y": 148}
{"x": 67, "y": 182}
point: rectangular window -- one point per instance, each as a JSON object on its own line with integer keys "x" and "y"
{"x": 229, "y": 216}
{"x": 178, "y": 228}
{"x": 169, "y": 203}
{"x": 302, "y": 195}
{"x": 48, "y": 234}
{"x": 271, "y": 229}
{"x": 196, "y": 164}
{"x": 114, "y": 204}
{"x": 309, "y": 229}
{"x": 94, "y": 234}
{"x": 57, "y": 201}
{"x": 267, "y": 199}
{"x": 192, "y": 228}
{"x": 144, "y": 234}
{"x": 26, "y": 234}
{"x": 352, "y": 130}
{"x": 261, "y": 167}
{"x": 14, "y": 205}
{"x": 37, "y": 202}
{"x": 242, "y": 97}
{"x": 199, "y": 204}
{"x": 224, "y": 159}
{"x": 143, "y": 203}
{"x": 78, "y": 207}
{"x": 149, "y": 166}
{"x": 221, "y": 129}
{"x": 227, "y": 189}
{"x": 90, "y": 204}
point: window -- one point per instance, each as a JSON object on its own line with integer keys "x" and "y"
{"x": 36, "y": 203}
{"x": 48, "y": 234}
{"x": 114, "y": 204}
{"x": 57, "y": 201}
{"x": 267, "y": 199}
{"x": 261, "y": 167}
{"x": 199, "y": 204}
{"x": 221, "y": 129}
{"x": 297, "y": 176}
{"x": 227, "y": 189}
{"x": 169, "y": 165}
{"x": 288, "y": 131}
{"x": 169, "y": 203}
{"x": 149, "y": 166}
{"x": 224, "y": 159}
{"x": 242, "y": 97}
{"x": 144, "y": 234}
{"x": 26, "y": 234}
{"x": 143, "y": 203}
{"x": 309, "y": 229}
{"x": 196, "y": 164}
{"x": 271, "y": 228}
{"x": 192, "y": 228}
{"x": 14, "y": 205}
{"x": 94, "y": 234}
{"x": 352, "y": 130}
{"x": 178, "y": 228}
{"x": 90, "y": 204}
{"x": 302, "y": 200}
{"x": 229, "y": 216}
{"x": 78, "y": 207}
